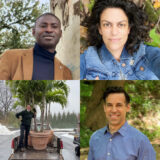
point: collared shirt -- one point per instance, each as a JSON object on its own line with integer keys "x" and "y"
{"x": 144, "y": 64}
{"x": 126, "y": 144}
{"x": 43, "y": 64}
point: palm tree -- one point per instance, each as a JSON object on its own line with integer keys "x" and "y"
{"x": 40, "y": 92}
{"x": 56, "y": 96}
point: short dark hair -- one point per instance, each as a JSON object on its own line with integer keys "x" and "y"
{"x": 112, "y": 90}
{"x": 47, "y": 14}
{"x": 137, "y": 19}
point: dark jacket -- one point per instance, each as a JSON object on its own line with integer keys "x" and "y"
{"x": 26, "y": 117}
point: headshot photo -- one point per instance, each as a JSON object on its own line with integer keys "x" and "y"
{"x": 120, "y": 120}
{"x": 119, "y": 40}
{"x": 34, "y": 43}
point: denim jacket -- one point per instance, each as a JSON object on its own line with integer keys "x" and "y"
{"x": 142, "y": 65}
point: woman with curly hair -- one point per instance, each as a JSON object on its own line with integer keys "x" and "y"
{"x": 116, "y": 32}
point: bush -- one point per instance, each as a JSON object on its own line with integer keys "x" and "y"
{"x": 85, "y": 134}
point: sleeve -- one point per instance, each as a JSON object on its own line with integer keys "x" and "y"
{"x": 153, "y": 56}
{"x": 33, "y": 114}
{"x": 68, "y": 74}
{"x": 82, "y": 67}
{"x": 4, "y": 67}
{"x": 90, "y": 154}
{"x": 19, "y": 114}
{"x": 146, "y": 151}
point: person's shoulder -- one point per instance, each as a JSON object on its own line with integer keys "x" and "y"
{"x": 152, "y": 49}
{"x": 66, "y": 70}
{"x": 145, "y": 50}
{"x": 17, "y": 52}
{"x": 98, "y": 133}
{"x": 90, "y": 49}
{"x": 22, "y": 112}
{"x": 61, "y": 64}
{"x": 137, "y": 134}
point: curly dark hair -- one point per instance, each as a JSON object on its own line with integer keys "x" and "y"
{"x": 138, "y": 22}
{"x": 115, "y": 89}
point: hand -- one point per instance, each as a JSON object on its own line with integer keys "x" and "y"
{"x": 34, "y": 110}
{"x": 97, "y": 78}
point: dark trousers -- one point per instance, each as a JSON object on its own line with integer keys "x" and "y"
{"x": 24, "y": 132}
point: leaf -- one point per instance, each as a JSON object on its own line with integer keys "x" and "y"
{"x": 155, "y": 38}
{"x": 156, "y": 5}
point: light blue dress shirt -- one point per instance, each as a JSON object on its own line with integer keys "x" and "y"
{"x": 126, "y": 144}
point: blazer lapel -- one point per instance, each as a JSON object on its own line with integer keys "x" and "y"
{"x": 27, "y": 62}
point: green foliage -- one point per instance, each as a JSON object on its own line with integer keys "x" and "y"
{"x": 144, "y": 97}
{"x": 17, "y": 17}
{"x": 151, "y": 134}
{"x": 86, "y": 89}
{"x": 91, "y": 4}
{"x": 152, "y": 13}
{"x": 10, "y": 120}
{"x": 81, "y": 6}
{"x": 32, "y": 92}
{"x": 82, "y": 114}
{"x": 157, "y": 149}
{"x": 155, "y": 38}
{"x": 68, "y": 120}
{"x": 85, "y": 134}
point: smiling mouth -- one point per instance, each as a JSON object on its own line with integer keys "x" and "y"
{"x": 115, "y": 40}
{"x": 114, "y": 116}
{"x": 48, "y": 37}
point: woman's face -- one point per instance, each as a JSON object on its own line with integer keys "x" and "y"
{"x": 114, "y": 28}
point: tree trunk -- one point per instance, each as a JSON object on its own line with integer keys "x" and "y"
{"x": 35, "y": 123}
{"x": 48, "y": 114}
{"x": 68, "y": 11}
{"x": 42, "y": 112}
{"x": 46, "y": 117}
{"x": 95, "y": 117}
{"x": 49, "y": 111}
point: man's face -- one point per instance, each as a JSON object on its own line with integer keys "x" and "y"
{"x": 115, "y": 109}
{"x": 47, "y": 31}
{"x": 28, "y": 107}
{"x": 114, "y": 28}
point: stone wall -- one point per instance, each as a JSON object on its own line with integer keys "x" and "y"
{"x": 68, "y": 49}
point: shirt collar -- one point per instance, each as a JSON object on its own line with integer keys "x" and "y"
{"x": 122, "y": 130}
{"x": 106, "y": 56}
{"x": 38, "y": 50}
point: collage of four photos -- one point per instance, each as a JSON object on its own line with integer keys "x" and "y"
{"x": 79, "y": 79}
